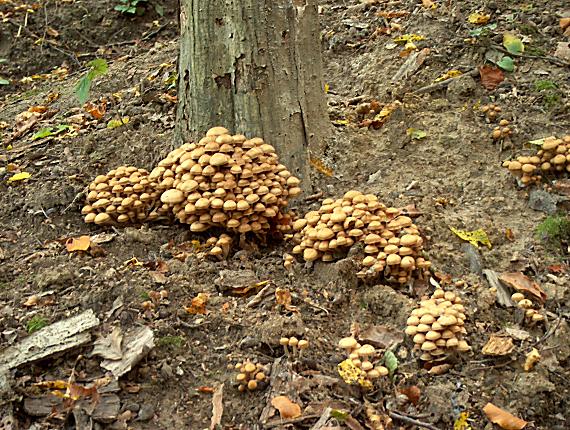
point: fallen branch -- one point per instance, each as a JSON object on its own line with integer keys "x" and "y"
{"x": 407, "y": 419}
{"x": 558, "y": 61}
{"x": 443, "y": 84}
{"x": 281, "y": 422}
{"x": 411, "y": 65}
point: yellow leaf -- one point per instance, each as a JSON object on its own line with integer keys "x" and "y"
{"x": 321, "y": 167}
{"x": 479, "y": 18}
{"x": 449, "y": 74}
{"x": 327, "y": 88}
{"x": 461, "y": 422}
{"x": 352, "y": 374}
{"x": 475, "y": 237}
{"x": 198, "y": 304}
{"x": 81, "y": 243}
{"x": 405, "y": 38}
{"x": 19, "y": 177}
{"x": 340, "y": 122}
{"x": 114, "y": 123}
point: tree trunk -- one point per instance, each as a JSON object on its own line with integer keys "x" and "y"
{"x": 254, "y": 67}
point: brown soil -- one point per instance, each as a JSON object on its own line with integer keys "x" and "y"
{"x": 453, "y": 177}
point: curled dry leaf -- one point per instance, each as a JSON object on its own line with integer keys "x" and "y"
{"x": 502, "y": 418}
{"x": 491, "y": 77}
{"x": 287, "y": 409}
{"x": 198, "y": 305}
{"x": 498, "y": 345}
{"x": 532, "y": 358}
{"x": 81, "y": 243}
{"x": 413, "y": 394}
{"x": 521, "y": 282}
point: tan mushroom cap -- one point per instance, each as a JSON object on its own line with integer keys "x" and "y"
{"x": 348, "y": 343}
{"x": 172, "y": 196}
{"x": 102, "y": 218}
{"x": 366, "y": 350}
{"x": 428, "y": 346}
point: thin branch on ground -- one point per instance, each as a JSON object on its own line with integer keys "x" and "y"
{"x": 400, "y": 417}
{"x": 555, "y": 60}
{"x": 443, "y": 84}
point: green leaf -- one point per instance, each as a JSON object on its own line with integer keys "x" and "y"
{"x": 339, "y": 415}
{"x": 538, "y": 142}
{"x": 416, "y": 134}
{"x": 483, "y": 30}
{"x": 44, "y": 132}
{"x": 506, "y": 63}
{"x": 4, "y": 81}
{"x": 159, "y": 9}
{"x": 99, "y": 66}
{"x": 82, "y": 89}
{"x": 390, "y": 361}
{"x": 513, "y": 44}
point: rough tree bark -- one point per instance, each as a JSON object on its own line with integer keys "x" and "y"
{"x": 254, "y": 66}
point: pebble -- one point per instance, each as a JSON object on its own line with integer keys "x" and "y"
{"x": 146, "y": 412}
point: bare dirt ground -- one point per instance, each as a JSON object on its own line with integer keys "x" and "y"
{"x": 452, "y": 176}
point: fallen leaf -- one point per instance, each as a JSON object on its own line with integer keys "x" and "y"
{"x": 479, "y": 18}
{"x": 532, "y": 358}
{"x": 287, "y": 409}
{"x": 407, "y": 38}
{"x": 80, "y": 243}
{"x": 563, "y": 50}
{"x": 38, "y": 109}
{"x": 198, "y": 304}
{"x": 392, "y": 14}
{"x": 217, "y": 407}
{"x": 509, "y": 234}
{"x": 159, "y": 278}
{"x": 506, "y": 63}
{"x": 448, "y": 75}
{"x": 321, "y": 167}
{"x": 283, "y": 298}
{"x": 381, "y": 336}
{"x": 473, "y": 237}
{"x": 97, "y": 111}
{"x": 429, "y": 4}
{"x": 557, "y": 268}
{"x": 109, "y": 347}
{"x": 24, "y": 122}
{"x": 31, "y": 301}
{"x": 498, "y": 345}
{"x": 564, "y": 23}
{"x": 439, "y": 369}
{"x": 503, "y": 418}
{"x": 205, "y": 389}
{"x": 491, "y": 77}
{"x": 513, "y": 44}
{"x": 19, "y": 177}
{"x": 114, "y": 123}
{"x": 521, "y": 282}
{"x": 412, "y": 393}
{"x": 390, "y": 361}
{"x": 416, "y": 134}
{"x": 461, "y": 422}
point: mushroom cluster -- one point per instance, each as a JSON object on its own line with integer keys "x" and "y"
{"x": 491, "y": 111}
{"x": 251, "y": 376}
{"x": 391, "y": 241}
{"x": 437, "y": 326}
{"x": 530, "y": 313}
{"x": 123, "y": 195}
{"x": 225, "y": 181}
{"x": 553, "y": 157}
{"x": 502, "y": 131}
{"x": 220, "y": 246}
{"x": 297, "y": 346}
{"x": 362, "y": 356}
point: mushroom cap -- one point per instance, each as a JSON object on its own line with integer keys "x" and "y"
{"x": 366, "y": 350}
{"x": 325, "y": 234}
{"x": 428, "y": 346}
{"x": 447, "y": 320}
{"x": 413, "y": 320}
{"x": 217, "y": 131}
{"x": 347, "y": 343}
{"x": 293, "y": 341}
{"x": 310, "y": 254}
{"x": 433, "y": 335}
{"x": 463, "y": 346}
{"x": 284, "y": 341}
{"x": 303, "y": 344}
{"x": 171, "y": 197}
{"x": 366, "y": 365}
{"x": 219, "y": 159}
{"x": 517, "y": 297}
{"x": 393, "y": 259}
{"x": 102, "y": 218}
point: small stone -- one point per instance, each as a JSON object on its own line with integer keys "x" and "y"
{"x": 146, "y": 413}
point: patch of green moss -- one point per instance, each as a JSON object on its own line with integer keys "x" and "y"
{"x": 555, "y": 230}
{"x": 171, "y": 341}
{"x": 36, "y": 323}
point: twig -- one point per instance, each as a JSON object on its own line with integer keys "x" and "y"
{"x": 143, "y": 38}
{"x": 548, "y": 333}
{"x": 281, "y": 422}
{"x": 555, "y": 60}
{"x": 78, "y": 195}
{"x": 406, "y": 419}
{"x": 444, "y": 84}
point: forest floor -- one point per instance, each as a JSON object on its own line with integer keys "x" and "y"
{"x": 432, "y": 150}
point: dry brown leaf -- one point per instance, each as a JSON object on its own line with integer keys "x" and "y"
{"x": 521, "y": 282}
{"x": 80, "y": 243}
{"x": 563, "y": 48}
{"x": 283, "y": 296}
{"x": 532, "y": 358}
{"x": 97, "y": 111}
{"x": 217, "y": 407}
{"x": 440, "y": 369}
{"x": 287, "y": 409}
{"x": 491, "y": 77}
{"x": 428, "y": 4}
{"x": 564, "y": 23}
{"x": 413, "y": 394}
{"x": 159, "y": 278}
{"x": 498, "y": 345}
{"x": 381, "y": 336}
{"x": 198, "y": 305}
{"x": 502, "y": 418}
{"x": 32, "y": 301}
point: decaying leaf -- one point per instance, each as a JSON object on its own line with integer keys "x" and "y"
{"x": 474, "y": 237}
{"x": 513, "y": 44}
{"x": 502, "y": 418}
{"x": 413, "y": 394}
{"x": 80, "y": 243}
{"x": 429, "y": 4}
{"x": 479, "y": 18}
{"x": 440, "y": 369}
{"x": 198, "y": 304}
{"x": 448, "y": 75}
{"x": 321, "y": 167}
{"x": 217, "y": 407}
{"x": 19, "y": 177}
{"x": 416, "y": 134}
{"x": 461, "y": 422}
{"x": 114, "y": 123}
{"x": 563, "y": 49}
{"x": 97, "y": 110}
{"x": 380, "y": 336}
{"x": 521, "y": 282}
{"x": 532, "y": 358}
{"x": 110, "y": 346}
{"x": 287, "y": 409}
{"x": 390, "y": 361}
{"x": 32, "y": 300}
{"x": 491, "y": 77}
{"x": 351, "y": 374}
{"x": 498, "y": 345}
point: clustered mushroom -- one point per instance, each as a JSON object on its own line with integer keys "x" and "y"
{"x": 392, "y": 243}
{"x": 530, "y": 313}
{"x": 123, "y": 195}
{"x": 225, "y": 181}
{"x": 362, "y": 356}
{"x": 554, "y": 156}
{"x": 437, "y": 326}
{"x": 502, "y": 131}
{"x": 251, "y": 376}
{"x": 220, "y": 246}
{"x": 491, "y": 111}
{"x": 297, "y": 346}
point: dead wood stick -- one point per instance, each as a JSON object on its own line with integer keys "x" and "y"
{"x": 406, "y": 419}
{"x": 558, "y": 61}
{"x": 445, "y": 83}
{"x": 281, "y": 422}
